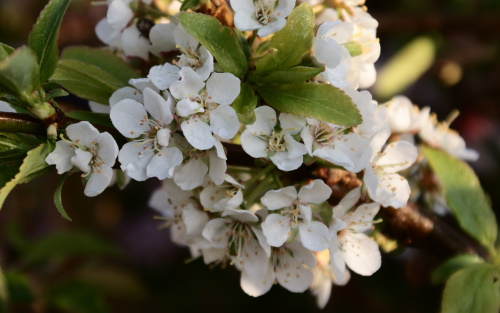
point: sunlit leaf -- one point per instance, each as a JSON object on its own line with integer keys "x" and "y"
{"x": 448, "y": 268}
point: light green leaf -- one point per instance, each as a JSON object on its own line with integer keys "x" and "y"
{"x": 61, "y": 245}
{"x": 94, "y": 118}
{"x": 43, "y": 37}
{"x": 290, "y": 43}
{"x": 320, "y": 101}
{"x": 104, "y": 61}
{"x": 86, "y": 81}
{"x": 245, "y": 104}
{"x": 405, "y": 67}
{"x": 448, "y": 268}
{"x": 473, "y": 289}
{"x": 188, "y": 4}
{"x": 219, "y": 40}
{"x": 19, "y": 73}
{"x": 33, "y": 165}
{"x": 297, "y": 74}
{"x": 57, "y": 197}
{"x": 5, "y": 51}
{"x": 464, "y": 196}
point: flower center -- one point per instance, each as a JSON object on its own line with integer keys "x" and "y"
{"x": 265, "y": 9}
{"x": 276, "y": 142}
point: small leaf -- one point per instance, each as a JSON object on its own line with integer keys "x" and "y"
{"x": 94, "y": 118}
{"x": 56, "y": 93}
{"x": 188, "y": 4}
{"x": 297, "y": 74}
{"x": 475, "y": 288}
{"x": 14, "y": 145}
{"x": 405, "y": 67}
{"x": 245, "y": 104}
{"x": 19, "y": 73}
{"x": 5, "y": 51}
{"x": 57, "y": 197}
{"x": 43, "y": 37}
{"x": 464, "y": 196}
{"x": 320, "y": 101}
{"x": 33, "y": 165}
{"x": 66, "y": 244}
{"x": 448, "y": 268}
{"x": 104, "y": 61}
{"x": 86, "y": 81}
{"x": 291, "y": 43}
{"x": 219, "y": 40}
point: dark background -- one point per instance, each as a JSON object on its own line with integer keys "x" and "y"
{"x": 151, "y": 274}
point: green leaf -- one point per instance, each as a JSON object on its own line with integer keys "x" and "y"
{"x": 13, "y": 146}
{"x": 188, "y": 4}
{"x": 245, "y": 104}
{"x": 43, "y": 37}
{"x": 473, "y": 289}
{"x": 320, "y": 101}
{"x": 19, "y": 73}
{"x": 405, "y": 67}
{"x": 4, "y": 294}
{"x": 297, "y": 74}
{"x": 56, "y": 93}
{"x": 5, "y": 51}
{"x": 33, "y": 166}
{"x": 464, "y": 196}
{"x": 57, "y": 197}
{"x": 18, "y": 287}
{"x": 290, "y": 43}
{"x": 94, "y": 118}
{"x": 219, "y": 40}
{"x": 59, "y": 246}
{"x": 104, "y": 61}
{"x": 448, "y": 268}
{"x": 86, "y": 81}
{"x": 77, "y": 297}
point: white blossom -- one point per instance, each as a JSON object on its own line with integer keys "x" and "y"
{"x": 296, "y": 212}
{"x": 263, "y": 140}
{"x": 226, "y": 196}
{"x": 149, "y": 155}
{"x": 88, "y": 150}
{"x": 383, "y": 183}
{"x": 349, "y": 245}
{"x": 404, "y": 117}
{"x": 266, "y": 16}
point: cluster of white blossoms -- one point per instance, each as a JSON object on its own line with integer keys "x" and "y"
{"x": 178, "y": 118}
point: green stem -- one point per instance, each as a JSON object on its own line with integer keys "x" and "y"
{"x": 254, "y": 179}
{"x": 20, "y": 123}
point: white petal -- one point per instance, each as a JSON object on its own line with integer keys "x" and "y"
{"x": 292, "y": 124}
{"x": 162, "y": 76}
{"x": 198, "y": 134}
{"x": 130, "y": 118}
{"x": 187, "y": 107}
{"x": 276, "y": 228}
{"x": 294, "y": 148}
{"x": 94, "y": 107}
{"x": 293, "y": 272}
{"x": 257, "y": 285}
{"x": 217, "y": 169}
{"x": 134, "y": 44}
{"x": 362, "y": 217}
{"x": 141, "y": 83}
{"x": 314, "y": 236}
{"x": 246, "y": 6}
{"x": 224, "y": 122}
{"x": 242, "y": 216}
{"x": 244, "y": 21}
{"x": 253, "y": 146}
{"x": 162, "y": 38}
{"x": 265, "y": 120}
{"x": 398, "y": 156}
{"x": 284, "y": 8}
{"x": 125, "y": 93}
{"x": 349, "y": 200}
{"x": 107, "y": 34}
{"x": 119, "y": 14}
{"x": 134, "y": 158}
{"x": 337, "y": 259}
{"x": 83, "y": 133}
{"x": 189, "y": 85}
{"x": 61, "y": 156}
{"x": 81, "y": 159}
{"x": 281, "y": 198}
{"x": 283, "y": 161}
{"x": 308, "y": 139}
{"x": 163, "y": 136}
{"x": 163, "y": 163}
{"x": 108, "y": 149}
{"x": 272, "y": 27}
{"x": 185, "y": 40}
{"x": 315, "y": 192}
{"x": 361, "y": 254}
{"x": 216, "y": 231}
{"x": 98, "y": 181}
{"x": 222, "y": 88}
{"x": 157, "y": 107}
{"x": 191, "y": 174}
{"x": 207, "y": 64}
{"x": 194, "y": 219}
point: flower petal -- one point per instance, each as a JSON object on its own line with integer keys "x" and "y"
{"x": 162, "y": 76}
{"x": 361, "y": 254}
{"x": 198, "y": 133}
{"x": 108, "y": 149}
{"x": 276, "y": 228}
{"x": 61, "y": 156}
{"x": 222, "y": 88}
{"x": 189, "y": 85}
{"x": 217, "y": 169}
{"x": 265, "y": 120}
{"x": 281, "y": 198}
{"x": 315, "y": 192}
{"x": 314, "y": 236}
{"x": 83, "y": 133}
{"x": 157, "y": 107}
{"x": 253, "y": 146}
{"x": 134, "y": 158}
{"x": 397, "y": 156}
{"x": 125, "y": 93}
{"x": 98, "y": 181}
{"x": 191, "y": 174}
{"x": 130, "y": 118}
{"x": 163, "y": 163}
{"x": 224, "y": 122}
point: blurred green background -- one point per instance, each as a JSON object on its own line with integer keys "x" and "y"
{"x": 114, "y": 257}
